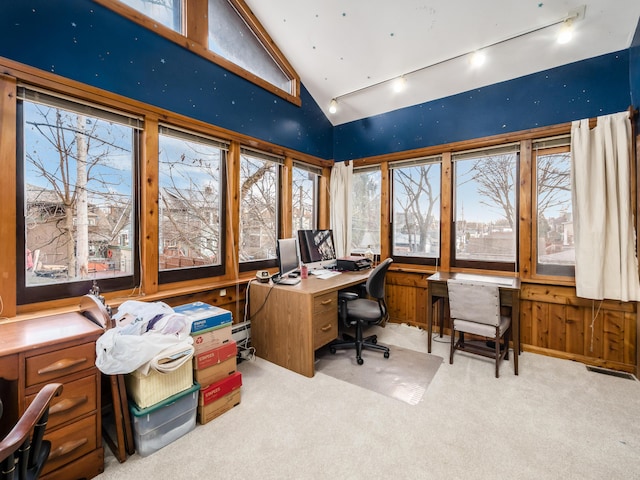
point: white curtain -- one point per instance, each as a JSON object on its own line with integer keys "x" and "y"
{"x": 340, "y": 209}
{"x": 604, "y": 234}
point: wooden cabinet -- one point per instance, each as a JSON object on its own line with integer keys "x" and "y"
{"x": 59, "y": 348}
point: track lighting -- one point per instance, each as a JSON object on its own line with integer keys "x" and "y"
{"x": 566, "y": 31}
{"x": 333, "y": 106}
{"x": 476, "y": 58}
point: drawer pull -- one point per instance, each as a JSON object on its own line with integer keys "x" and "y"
{"x": 67, "y": 404}
{"x": 326, "y": 328}
{"x": 67, "y": 448}
{"x": 62, "y": 365}
{"x": 326, "y": 302}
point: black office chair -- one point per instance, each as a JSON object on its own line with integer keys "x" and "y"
{"x": 361, "y": 312}
{"x": 23, "y": 452}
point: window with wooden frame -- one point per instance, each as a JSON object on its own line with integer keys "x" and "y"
{"x": 77, "y": 171}
{"x": 304, "y": 196}
{"x": 552, "y": 228}
{"x": 225, "y": 32}
{"x": 416, "y": 210}
{"x": 191, "y": 204}
{"x": 366, "y": 190}
{"x": 485, "y": 220}
{"x": 259, "y": 208}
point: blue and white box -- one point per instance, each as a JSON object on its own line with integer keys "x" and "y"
{"x": 204, "y": 317}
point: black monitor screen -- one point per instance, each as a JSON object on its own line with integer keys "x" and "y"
{"x": 287, "y": 255}
{"x": 317, "y": 246}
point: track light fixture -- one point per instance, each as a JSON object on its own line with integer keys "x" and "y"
{"x": 477, "y": 57}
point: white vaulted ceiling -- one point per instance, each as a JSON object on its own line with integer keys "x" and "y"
{"x": 343, "y": 46}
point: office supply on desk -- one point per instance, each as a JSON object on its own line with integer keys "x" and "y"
{"x": 363, "y": 312}
{"x": 352, "y": 263}
{"x": 475, "y": 309}
{"x": 23, "y": 455}
{"x": 509, "y": 288}
{"x": 289, "y": 324}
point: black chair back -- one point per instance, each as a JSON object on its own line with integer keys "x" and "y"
{"x": 375, "y": 282}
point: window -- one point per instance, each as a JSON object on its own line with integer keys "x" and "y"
{"x": 554, "y": 248}
{"x": 76, "y": 166}
{"x": 304, "y": 196}
{"x": 190, "y": 204}
{"x": 485, "y": 208}
{"x": 416, "y": 210}
{"x": 166, "y": 12}
{"x": 259, "y": 206}
{"x": 225, "y": 32}
{"x": 365, "y": 202}
{"x": 231, "y": 38}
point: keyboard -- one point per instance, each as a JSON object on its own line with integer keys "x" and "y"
{"x": 288, "y": 281}
{"x": 327, "y": 274}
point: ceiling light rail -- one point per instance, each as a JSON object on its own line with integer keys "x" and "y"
{"x": 477, "y": 57}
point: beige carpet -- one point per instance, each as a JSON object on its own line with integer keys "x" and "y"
{"x": 405, "y": 375}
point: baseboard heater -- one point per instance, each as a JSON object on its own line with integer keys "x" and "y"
{"x": 613, "y": 373}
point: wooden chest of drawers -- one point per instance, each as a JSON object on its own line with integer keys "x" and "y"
{"x": 60, "y": 348}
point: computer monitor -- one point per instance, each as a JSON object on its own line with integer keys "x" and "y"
{"x": 317, "y": 249}
{"x": 287, "y": 252}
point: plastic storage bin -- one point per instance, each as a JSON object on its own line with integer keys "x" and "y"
{"x": 160, "y": 424}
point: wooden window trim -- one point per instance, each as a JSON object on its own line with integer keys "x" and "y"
{"x": 195, "y": 41}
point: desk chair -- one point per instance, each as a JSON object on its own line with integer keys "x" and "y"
{"x": 23, "y": 453}
{"x": 475, "y": 309}
{"x": 361, "y": 312}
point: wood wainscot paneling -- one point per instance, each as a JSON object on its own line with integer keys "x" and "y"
{"x": 554, "y": 321}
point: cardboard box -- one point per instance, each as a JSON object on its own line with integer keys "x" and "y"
{"x": 215, "y": 373}
{"x": 204, "y": 317}
{"x": 215, "y": 356}
{"x": 203, "y": 342}
{"x": 216, "y": 408}
{"x": 220, "y": 389}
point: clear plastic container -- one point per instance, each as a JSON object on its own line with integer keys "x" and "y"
{"x": 160, "y": 424}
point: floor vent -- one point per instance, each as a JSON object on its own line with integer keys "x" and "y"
{"x": 613, "y": 373}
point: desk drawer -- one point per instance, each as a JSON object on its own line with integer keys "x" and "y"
{"x": 49, "y": 366}
{"x": 71, "y": 442}
{"x": 325, "y": 328}
{"x": 78, "y": 398}
{"x": 326, "y": 302}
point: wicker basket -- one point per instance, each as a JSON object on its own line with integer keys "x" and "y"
{"x": 147, "y": 390}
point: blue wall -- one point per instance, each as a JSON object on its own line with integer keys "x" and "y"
{"x": 597, "y": 86}
{"x": 83, "y": 41}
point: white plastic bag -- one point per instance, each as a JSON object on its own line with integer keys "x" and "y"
{"x": 119, "y": 354}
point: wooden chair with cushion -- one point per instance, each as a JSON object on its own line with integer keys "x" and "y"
{"x": 475, "y": 309}
{"x": 23, "y": 452}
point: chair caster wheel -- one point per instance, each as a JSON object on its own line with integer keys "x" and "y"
{"x": 332, "y": 350}
{"x": 386, "y": 354}
{"x": 374, "y": 340}
{"x": 360, "y": 361}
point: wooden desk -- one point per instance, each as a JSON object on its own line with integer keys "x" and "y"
{"x": 59, "y": 348}
{"x": 509, "y": 297}
{"x": 290, "y": 322}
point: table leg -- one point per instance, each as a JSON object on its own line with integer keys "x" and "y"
{"x": 429, "y": 319}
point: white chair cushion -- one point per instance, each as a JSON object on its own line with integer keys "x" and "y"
{"x": 482, "y": 329}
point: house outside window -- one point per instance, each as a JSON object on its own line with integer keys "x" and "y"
{"x": 190, "y": 202}
{"x": 77, "y": 169}
{"x": 365, "y": 203}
